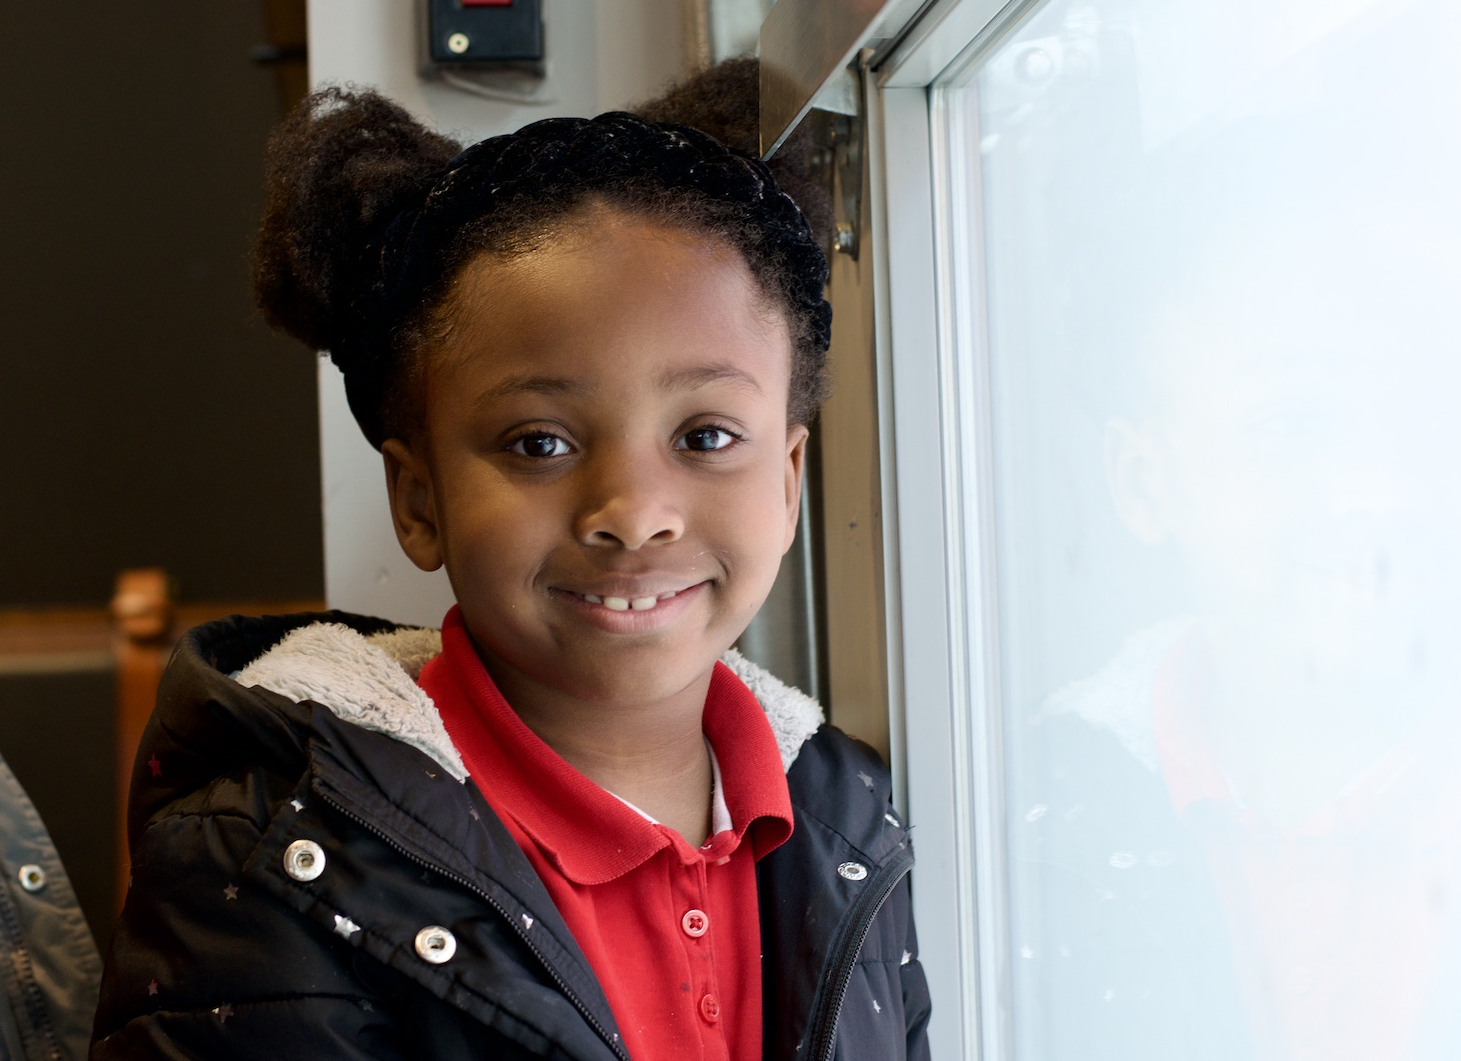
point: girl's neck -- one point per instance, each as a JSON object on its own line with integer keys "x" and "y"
{"x": 652, "y": 755}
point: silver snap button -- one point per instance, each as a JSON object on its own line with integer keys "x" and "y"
{"x": 304, "y": 860}
{"x": 32, "y": 877}
{"x": 852, "y": 870}
{"x": 458, "y": 43}
{"x": 435, "y": 944}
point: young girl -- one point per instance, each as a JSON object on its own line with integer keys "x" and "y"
{"x": 574, "y": 823}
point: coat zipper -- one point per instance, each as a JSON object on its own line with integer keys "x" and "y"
{"x": 846, "y": 947}
{"x": 604, "y": 1034}
{"x": 35, "y": 1023}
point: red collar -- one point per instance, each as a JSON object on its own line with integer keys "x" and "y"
{"x": 590, "y": 835}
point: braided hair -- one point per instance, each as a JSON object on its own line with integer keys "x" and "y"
{"x": 369, "y": 217}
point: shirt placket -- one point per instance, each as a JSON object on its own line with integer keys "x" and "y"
{"x": 698, "y": 931}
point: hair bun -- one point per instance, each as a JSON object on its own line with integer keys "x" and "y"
{"x": 724, "y": 101}
{"x": 339, "y": 168}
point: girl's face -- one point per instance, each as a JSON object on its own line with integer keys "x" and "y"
{"x": 605, "y": 469}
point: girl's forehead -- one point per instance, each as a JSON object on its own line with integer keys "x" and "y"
{"x": 601, "y": 234}
{"x": 604, "y": 279}
{"x": 616, "y": 301}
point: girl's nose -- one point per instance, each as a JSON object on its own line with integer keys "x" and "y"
{"x": 628, "y": 507}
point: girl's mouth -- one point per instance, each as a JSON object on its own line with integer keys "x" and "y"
{"x": 634, "y": 609}
{"x": 625, "y": 604}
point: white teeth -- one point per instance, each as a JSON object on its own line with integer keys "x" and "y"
{"x": 624, "y": 604}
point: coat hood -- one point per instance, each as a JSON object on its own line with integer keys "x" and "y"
{"x": 369, "y": 678}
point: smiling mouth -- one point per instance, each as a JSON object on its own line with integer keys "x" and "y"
{"x": 626, "y": 604}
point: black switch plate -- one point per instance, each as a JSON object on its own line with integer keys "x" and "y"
{"x": 488, "y": 34}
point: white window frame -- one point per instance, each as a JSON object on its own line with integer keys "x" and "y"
{"x": 939, "y": 542}
{"x": 931, "y": 364}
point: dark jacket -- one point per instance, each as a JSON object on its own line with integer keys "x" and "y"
{"x": 222, "y": 953}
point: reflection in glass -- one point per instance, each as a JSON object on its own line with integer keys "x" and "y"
{"x": 1222, "y": 270}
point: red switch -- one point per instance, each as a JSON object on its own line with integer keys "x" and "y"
{"x": 486, "y": 3}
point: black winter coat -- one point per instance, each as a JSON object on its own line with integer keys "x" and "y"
{"x": 221, "y": 953}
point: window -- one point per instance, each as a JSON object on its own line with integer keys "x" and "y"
{"x": 1177, "y": 566}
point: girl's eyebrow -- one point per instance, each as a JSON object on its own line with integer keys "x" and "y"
{"x": 703, "y": 375}
{"x": 678, "y": 379}
{"x": 515, "y": 385}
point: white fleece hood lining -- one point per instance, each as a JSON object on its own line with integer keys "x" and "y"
{"x": 371, "y": 682}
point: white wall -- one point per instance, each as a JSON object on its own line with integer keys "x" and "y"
{"x": 602, "y": 54}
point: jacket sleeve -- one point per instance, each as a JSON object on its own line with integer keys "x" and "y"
{"x": 50, "y": 964}
{"x": 204, "y": 963}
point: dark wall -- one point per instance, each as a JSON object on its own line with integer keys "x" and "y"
{"x": 55, "y": 734}
{"x": 147, "y": 417}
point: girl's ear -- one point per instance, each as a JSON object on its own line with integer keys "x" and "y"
{"x": 796, "y": 454}
{"x": 413, "y": 504}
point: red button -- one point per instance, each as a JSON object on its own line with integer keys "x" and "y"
{"x": 486, "y": 3}
{"x": 695, "y": 923}
{"x": 710, "y": 1009}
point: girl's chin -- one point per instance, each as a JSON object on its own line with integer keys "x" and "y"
{"x": 618, "y": 677}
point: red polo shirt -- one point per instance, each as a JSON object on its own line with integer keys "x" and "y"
{"x": 672, "y": 932}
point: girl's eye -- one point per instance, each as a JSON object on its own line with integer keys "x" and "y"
{"x": 705, "y": 439}
{"x": 540, "y": 445}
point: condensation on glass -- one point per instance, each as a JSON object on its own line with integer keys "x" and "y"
{"x": 1220, "y": 278}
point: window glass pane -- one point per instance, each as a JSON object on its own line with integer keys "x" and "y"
{"x": 1220, "y": 272}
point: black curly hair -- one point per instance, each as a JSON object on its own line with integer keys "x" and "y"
{"x": 724, "y": 100}
{"x": 369, "y": 216}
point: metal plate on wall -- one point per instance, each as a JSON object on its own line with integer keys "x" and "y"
{"x": 485, "y": 32}
{"x": 805, "y": 44}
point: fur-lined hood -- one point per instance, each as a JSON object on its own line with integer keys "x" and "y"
{"x": 370, "y": 680}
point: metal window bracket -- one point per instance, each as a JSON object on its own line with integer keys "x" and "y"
{"x": 838, "y": 129}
